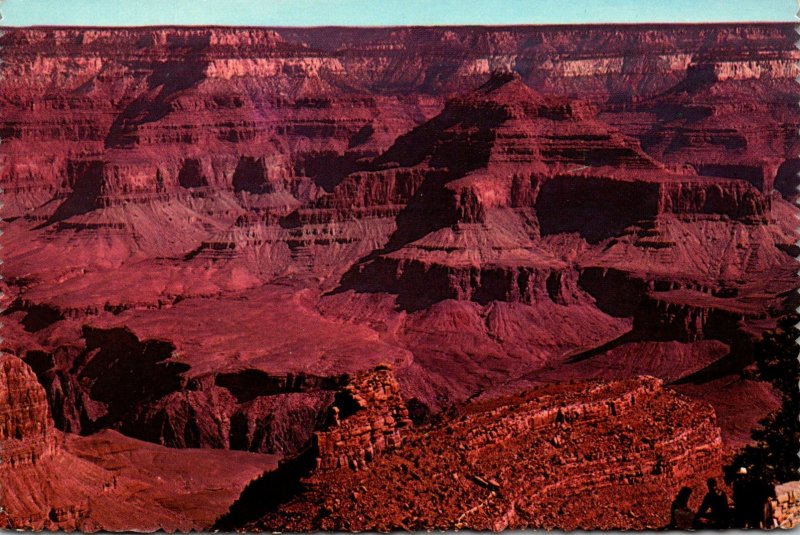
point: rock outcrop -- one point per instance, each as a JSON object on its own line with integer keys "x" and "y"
{"x": 367, "y": 416}
{"x": 52, "y": 480}
{"x": 543, "y": 458}
{"x": 786, "y": 505}
{"x": 26, "y": 428}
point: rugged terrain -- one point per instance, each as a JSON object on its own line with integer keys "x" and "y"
{"x": 549, "y": 457}
{"x": 208, "y": 231}
{"x": 107, "y": 481}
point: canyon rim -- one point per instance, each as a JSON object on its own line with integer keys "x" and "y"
{"x": 381, "y": 278}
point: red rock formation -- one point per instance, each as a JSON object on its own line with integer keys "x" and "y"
{"x": 367, "y": 417}
{"x": 785, "y": 505}
{"x": 549, "y": 457}
{"x": 26, "y": 428}
{"x": 504, "y": 167}
{"x": 105, "y": 481}
{"x": 233, "y": 219}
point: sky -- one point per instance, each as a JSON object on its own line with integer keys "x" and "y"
{"x": 385, "y": 12}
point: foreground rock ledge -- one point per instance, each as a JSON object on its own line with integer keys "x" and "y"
{"x": 536, "y": 459}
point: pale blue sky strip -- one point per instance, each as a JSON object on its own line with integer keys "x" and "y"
{"x": 386, "y": 12}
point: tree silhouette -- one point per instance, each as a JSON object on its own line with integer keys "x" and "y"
{"x": 773, "y": 457}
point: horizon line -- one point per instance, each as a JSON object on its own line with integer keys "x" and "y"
{"x": 382, "y": 26}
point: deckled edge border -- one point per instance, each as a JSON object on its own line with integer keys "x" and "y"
{"x": 2, "y": 204}
{"x": 797, "y": 202}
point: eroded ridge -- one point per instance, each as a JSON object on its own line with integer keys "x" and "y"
{"x": 27, "y": 433}
{"x": 536, "y": 459}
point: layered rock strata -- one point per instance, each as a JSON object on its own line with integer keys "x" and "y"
{"x": 230, "y": 221}
{"x": 786, "y": 505}
{"x": 543, "y": 458}
{"x": 27, "y": 434}
{"x": 367, "y": 416}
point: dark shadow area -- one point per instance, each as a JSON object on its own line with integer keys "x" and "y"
{"x": 595, "y": 208}
{"x": 361, "y": 137}
{"x": 268, "y": 492}
{"x": 615, "y": 292}
{"x": 124, "y": 371}
{"x": 247, "y": 385}
{"x": 166, "y": 80}
{"x": 419, "y": 412}
{"x": 191, "y": 174}
{"x": 754, "y": 174}
{"x": 626, "y": 338}
{"x": 101, "y": 385}
{"x": 87, "y": 187}
{"x": 250, "y": 176}
{"x": 787, "y": 179}
{"x": 346, "y": 404}
{"x": 327, "y": 169}
{"x": 732, "y": 363}
{"x": 37, "y": 316}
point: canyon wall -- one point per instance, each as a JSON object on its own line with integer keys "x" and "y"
{"x": 56, "y": 481}
{"x": 210, "y": 234}
{"x": 153, "y": 174}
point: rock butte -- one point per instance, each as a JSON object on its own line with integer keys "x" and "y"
{"x": 209, "y": 232}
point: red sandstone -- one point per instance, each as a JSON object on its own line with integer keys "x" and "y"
{"x": 209, "y": 232}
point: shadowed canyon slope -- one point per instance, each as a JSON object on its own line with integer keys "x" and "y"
{"x": 106, "y": 481}
{"x": 208, "y": 232}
